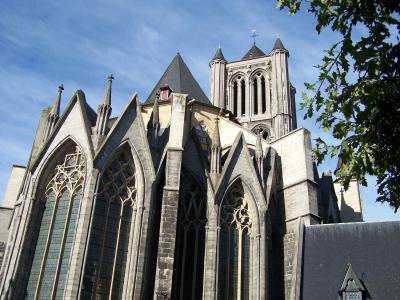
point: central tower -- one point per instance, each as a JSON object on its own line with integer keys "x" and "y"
{"x": 256, "y": 89}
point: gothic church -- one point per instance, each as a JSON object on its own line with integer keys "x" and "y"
{"x": 188, "y": 197}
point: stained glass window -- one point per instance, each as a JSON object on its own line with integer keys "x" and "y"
{"x": 190, "y": 241}
{"x": 108, "y": 244}
{"x": 57, "y": 228}
{"x": 234, "y": 247}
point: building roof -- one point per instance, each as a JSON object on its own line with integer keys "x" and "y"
{"x": 219, "y": 55}
{"x": 370, "y": 248}
{"x": 254, "y": 52}
{"x": 278, "y": 45}
{"x": 179, "y": 78}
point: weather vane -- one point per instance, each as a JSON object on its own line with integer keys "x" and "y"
{"x": 253, "y": 35}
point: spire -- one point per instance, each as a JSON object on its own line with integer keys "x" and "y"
{"x": 53, "y": 115}
{"x": 55, "y": 110}
{"x": 107, "y": 96}
{"x": 215, "y": 167}
{"x": 278, "y": 45}
{"x": 219, "y": 55}
{"x": 104, "y": 111}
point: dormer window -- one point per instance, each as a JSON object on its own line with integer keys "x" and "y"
{"x": 165, "y": 92}
{"x": 352, "y": 288}
{"x": 352, "y": 296}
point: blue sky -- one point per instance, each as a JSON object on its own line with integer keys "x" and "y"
{"x": 78, "y": 43}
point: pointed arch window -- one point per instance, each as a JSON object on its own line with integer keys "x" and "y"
{"x": 235, "y": 98}
{"x": 255, "y": 95}
{"x": 188, "y": 276}
{"x": 234, "y": 246}
{"x": 62, "y": 199}
{"x": 263, "y": 95}
{"x": 111, "y": 226}
{"x": 243, "y": 96}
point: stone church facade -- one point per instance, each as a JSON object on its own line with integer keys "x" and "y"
{"x": 178, "y": 197}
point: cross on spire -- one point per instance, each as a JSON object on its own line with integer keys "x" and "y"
{"x": 253, "y": 35}
{"x": 110, "y": 78}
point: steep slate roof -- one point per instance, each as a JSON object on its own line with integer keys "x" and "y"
{"x": 254, "y": 52}
{"x": 278, "y": 45}
{"x": 219, "y": 55}
{"x": 371, "y": 248}
{"x": 180, "y": 80}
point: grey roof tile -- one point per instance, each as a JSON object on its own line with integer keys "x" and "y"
{"x": 179, "y": 78}
{"x": 254, "y": 52}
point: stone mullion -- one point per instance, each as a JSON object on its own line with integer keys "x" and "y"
{"x": 61, "y": 252}
{"x": 195, "y": 262}
{"x": 131, "y": 261}
{"x": 46, "y": 251}
{"x": 263, "y": 261}
{"x": 182, "y": 266}
{"x": 121, "y": 213}
{"x": 102, "y": 248}
{"x": 239, "y": 266}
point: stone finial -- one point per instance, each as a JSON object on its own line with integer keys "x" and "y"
{"x": 156, "y": 113}
{"x": 55, "y": 110}
{"x": 259, "y": 156}
{"x": 259, "y": 150}
{"x": 216, "y": 140}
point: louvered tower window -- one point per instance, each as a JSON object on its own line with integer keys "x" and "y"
{"x": 188, "y": 275}
{"x": 114, "y": 213}
{"x": 234, "y": 246}
{"x": 57, "y": 229}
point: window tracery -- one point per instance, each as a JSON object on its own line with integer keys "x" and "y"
{"x": 190, "y": 241}
{"x": 234, "y": 248}
{"x": 111, "y": 226}
{"x": 262, "y": 130}
{"x": 57, "y": 228}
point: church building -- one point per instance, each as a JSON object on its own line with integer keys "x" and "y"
{"x": 189, "y": 197}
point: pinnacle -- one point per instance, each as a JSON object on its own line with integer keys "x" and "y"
{"x": 107, "y": 96}
{"x": 55, "y": 110}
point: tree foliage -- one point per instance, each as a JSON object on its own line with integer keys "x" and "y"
{"x": 356, "y": 96}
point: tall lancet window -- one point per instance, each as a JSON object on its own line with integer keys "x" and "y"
{"x": 243, "y": 96}
{"x": 188, "y": 276}
{"x": 62, "y": 198}
{"x": 255, "y": 95}
{"x": 234, "y": 246}
{"x": 106, "y": 259}
{"x": 263, "y": 95}
{"x": 235, "y": 98}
